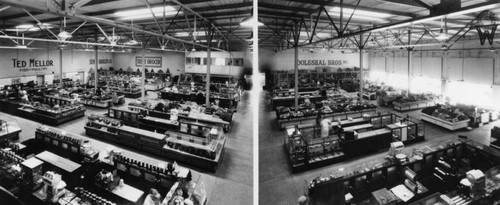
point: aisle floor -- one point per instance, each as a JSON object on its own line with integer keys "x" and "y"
{"x": 277, "y": 185}
{"x": 231, "y": 184}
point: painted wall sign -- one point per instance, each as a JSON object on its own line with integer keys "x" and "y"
{"x": 101, "y": 61}
{"x": 322, "y": 62}
{"x": 32, "y": 64}
{"x": 150, "y": 61}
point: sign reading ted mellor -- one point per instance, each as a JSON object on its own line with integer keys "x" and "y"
{"x": 32, "y": 64}
{"x": 321, "y": 62}
{"x": 150, "y": 61}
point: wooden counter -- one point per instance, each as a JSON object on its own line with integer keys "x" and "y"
{"x": 367, "y": 143}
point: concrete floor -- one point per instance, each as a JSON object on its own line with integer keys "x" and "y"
{"x": 231, "y": 184}
{"x": 278, "y": 186}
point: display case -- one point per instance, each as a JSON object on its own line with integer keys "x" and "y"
{"x": 9, "y": 129}
{"x": 287, "y": 98}
{"x": 414, "y": 102}
{"x": 306, "y": 150}
{"x": 126, "y": 116}
{"x": 407, "y": 130}
{"x": 364, "y": 178}
{"x": 107, "y": 99}
{"x": 287, "y": 116}
{"x": 191, "y": 145}
{"x": 295, "y": 148}
{"x": 445, "y": 116}
{"x": 53, "y": 115}
{"x": 359, "y": 137}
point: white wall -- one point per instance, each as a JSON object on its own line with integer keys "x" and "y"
{"x": 472, "y": 72}
{"x": 73, "y": 61}
{"x": 174, "y": 61}
{"x": 219, "y": 69}
{"x": 284, "y": 60}
{"x": 473, "y": 66}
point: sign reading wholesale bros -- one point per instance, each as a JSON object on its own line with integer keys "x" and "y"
{"x": 32, "y": 64}
{"x": 321, "y": 62}
{"x": 150, "y": 61}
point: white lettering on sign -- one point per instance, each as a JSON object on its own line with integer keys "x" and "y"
{"x": 150, "y": 61}
{"x": 321, "y": 62}
{"x": 101, "y": 61}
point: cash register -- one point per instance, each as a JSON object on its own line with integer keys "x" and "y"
{"x": 53, "y": 186}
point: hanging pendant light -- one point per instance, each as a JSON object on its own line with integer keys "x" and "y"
{"x": 132, "y": 42}
{"x": 443, "y": 33}
{"x": 63, "y": 35}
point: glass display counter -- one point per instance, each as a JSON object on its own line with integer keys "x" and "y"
{"x": 305, "y": 150}
{"x": 203, "y": 147}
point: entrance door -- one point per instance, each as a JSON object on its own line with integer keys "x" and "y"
{"x": 40, "y": 79}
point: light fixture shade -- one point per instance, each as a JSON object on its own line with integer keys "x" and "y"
{"x": 250, "y": 21}
{"x": 21, "y": 46}
{"x": 442, "y": 36}
{"x": 63, "y": 35}
{"x": 132, "y": 43}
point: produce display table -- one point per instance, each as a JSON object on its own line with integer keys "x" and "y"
{"x": 445, "y": 124}
{"x": 223, "y": 102}
{"x": 290, "y": 101}
{"x": 413, "y": 105}
{"x": 282, "y": 123}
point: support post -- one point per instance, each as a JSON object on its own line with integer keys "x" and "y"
{"x": 361, "y": 83}
{"x": 143, "y": 74}
{"x": 209, "y": 63}
{"x": 61, "y": 67}
{"x": 444, "y": 74}
{"x": 96, "y": 79}
{"x": 410, "y": 62}
{"x": 296, "y": 72}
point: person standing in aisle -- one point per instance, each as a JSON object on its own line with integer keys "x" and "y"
{"x": 326, "y": 125}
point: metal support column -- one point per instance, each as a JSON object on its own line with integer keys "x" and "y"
{"x": 361, "y": 83}
{"x": 296, "y": 72}
{"x": 444, "y": 73}
{"x": 410, "y": 63}
{"x": 61, "y": 67}
{"x": 143, "y": 74}
{"x": 96, "y": 79}
{"x": 209, "y": 63}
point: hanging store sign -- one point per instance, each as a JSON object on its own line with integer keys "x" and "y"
{"x": 101, "y": 61}
{"x": 150, "y": 61}
{"x": 32, "y": 64}
{"x": 322, "y": 62}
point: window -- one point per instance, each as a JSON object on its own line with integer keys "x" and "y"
{"x": 196, "y": 61}
{"x": 205, "y": 61}
{"x": 189, "y": 61}
{"x": 238, "y": 61}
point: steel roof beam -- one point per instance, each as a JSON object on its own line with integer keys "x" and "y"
{"x": 116, "y": 24}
